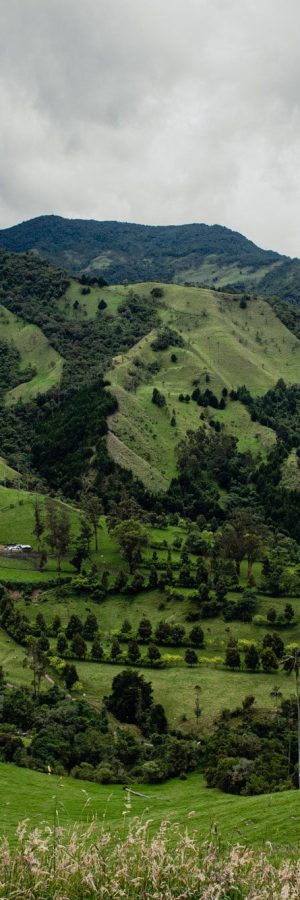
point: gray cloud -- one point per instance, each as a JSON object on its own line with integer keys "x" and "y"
{"x": 158, "y": 111}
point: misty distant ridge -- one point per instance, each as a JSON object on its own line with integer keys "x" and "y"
{"x": 121, "y": 251}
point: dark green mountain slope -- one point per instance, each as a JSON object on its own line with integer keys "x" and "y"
{"x": 121, "y": 251}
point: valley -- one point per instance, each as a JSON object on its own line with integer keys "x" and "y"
{"x": 150, "y": 459}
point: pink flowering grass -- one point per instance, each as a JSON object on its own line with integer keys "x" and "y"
{"x": 52, "y": 864}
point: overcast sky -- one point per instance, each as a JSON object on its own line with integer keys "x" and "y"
{"x": 154, "y": 111}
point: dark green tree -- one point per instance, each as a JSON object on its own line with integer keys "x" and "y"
{"x": 131, "y": 697}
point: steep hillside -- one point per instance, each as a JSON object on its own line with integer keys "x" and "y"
{"x": 37, "y": 362}
{"x": 223, "y": 347}
{"x": 121, "y": 251}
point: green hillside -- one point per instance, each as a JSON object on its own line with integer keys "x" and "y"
{"x": 122, "y": 252}
{"x": 6, "y": 472}
{"x": 35, "y": 352}
{"x": 249, "y": 820}
{"x": 223, "y": 344}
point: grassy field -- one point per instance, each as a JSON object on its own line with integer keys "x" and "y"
{"x": 16, "y": 526}
{"x": 35, "y": 350}
{"x": 250, "y": 820}
{"x": 232, "y": 345}
{"x": 88, "y": 303}
{"x": 174, "y": 688}
{"x": 11, "y": 658}
{"x": 17, "y": 515}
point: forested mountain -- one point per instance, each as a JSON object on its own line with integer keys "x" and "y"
{"x": 120, "y": 251}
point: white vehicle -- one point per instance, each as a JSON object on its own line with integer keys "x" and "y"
{"x": 18, "y": 548}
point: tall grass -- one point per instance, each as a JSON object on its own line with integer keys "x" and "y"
{"x": 52, "y": 864}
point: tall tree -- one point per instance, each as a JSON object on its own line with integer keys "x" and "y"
{"x": 93, "y": 508}
{"x": 37, "y": 660}
{"x": 131, "y": 536}
{"x": 82, "y": 545}
{"x": 291, "y": 663}
{"x": 58, "y": 522}
{"x": 39, "y": 522}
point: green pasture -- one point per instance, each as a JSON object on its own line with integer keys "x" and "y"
{"x": 35, "y": 350}
{"x": 47, "y": 799}
{"x": 6, "y": 472}
{"x": 17, "y": 515}
{"x": 251, "y": 436}
{"x": 174, "y": 688}
{"x": 17, "y": 524}
{"x": 155, "y": 606}
{"x": 11, "y": 658}
{"x": 88, "y": 303}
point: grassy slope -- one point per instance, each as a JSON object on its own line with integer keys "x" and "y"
{"x": 291, "y": 472}
{"x": 212, "y": 272}
{"x": 17, "y": 515}
{"x": 35, "y": 350}
{"x": 233, "y": 345}
{"x": 251, "y": 820}
{"x": 6, "y": 472}
{"x": 88, "y": 303}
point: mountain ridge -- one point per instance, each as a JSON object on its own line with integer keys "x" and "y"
{"x": 202, "y": 254}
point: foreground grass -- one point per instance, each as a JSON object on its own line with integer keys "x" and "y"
{"x": 45, "y": 798}
{"x": 135, "y": 864}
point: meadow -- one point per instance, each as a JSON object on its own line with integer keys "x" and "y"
{"x": 175, "y": 683}
{"x": 45, "y": 799}
{"x": 17, "y": 525}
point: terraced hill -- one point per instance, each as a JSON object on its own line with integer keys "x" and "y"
{"x": 223, "y": 346}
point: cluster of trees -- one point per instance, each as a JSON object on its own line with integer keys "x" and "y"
{"x": 266, "y": 657}
{"x": 254, "y": 752}
{"x": 167, "y": 337}
{"x": 72, "y": 641}
{"x": 278, "y": 409}
{"x": 70, "y": 737}
{"x": 208, "y": 398}
{"x": 209, "y": 461}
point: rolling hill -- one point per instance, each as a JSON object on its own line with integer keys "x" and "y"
{"x": 253, "y": 820}
{"x": 121, "y": 251}
{"x": 223, "y": 347}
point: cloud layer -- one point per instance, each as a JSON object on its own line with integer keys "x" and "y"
{"x": 157, "y": 111}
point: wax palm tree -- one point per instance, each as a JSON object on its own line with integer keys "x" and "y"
{"x": 291, "y": 663}
{"x": 276, "y": 694}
